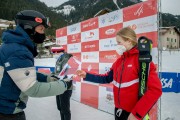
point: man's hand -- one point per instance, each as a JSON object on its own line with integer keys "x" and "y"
{"x": 68, "y": 82}
{"x": 54, "y": 78}
{"x": 81, "y": 73}
{"x": 132, "y": 117}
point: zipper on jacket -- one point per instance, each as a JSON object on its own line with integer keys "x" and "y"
{"x": 122, "y": 69}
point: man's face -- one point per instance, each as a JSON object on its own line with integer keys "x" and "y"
{"x": 40, "y": 29}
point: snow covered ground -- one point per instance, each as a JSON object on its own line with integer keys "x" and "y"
{"x": 170, "y": 102}
{"x": 46, "y": 109}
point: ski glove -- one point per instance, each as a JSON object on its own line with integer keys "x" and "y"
{"x": 68, "y": 82}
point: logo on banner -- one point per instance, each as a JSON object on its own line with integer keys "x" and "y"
{"x": 89, "y": 24}
{"x": 166, "y": 83}
{"x": 110, "y": 19}
{"x": 110, "y": 44}
{"x": 74, "y": 48}
{"x": 89, "y": 68}
{"x": 90, "y": 46}
{"x": 107, "y": 69}
{"x": 86, "y": 57}
{"x": 74, "y": 38}
{"x": 89, "y": 35}
{"x": 139, "y": 11}
{"x": 109, "y": 95}
{"x": 110, "y": 31}
{"x": 61, "y": 32}
{"x": 134, "y": 26}
{"x": 110, "y": 57}
{"x": 73, "y": 29}
{"x": 113, "y": 18}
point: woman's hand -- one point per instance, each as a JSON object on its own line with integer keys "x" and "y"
{"x": 81, "y": 73}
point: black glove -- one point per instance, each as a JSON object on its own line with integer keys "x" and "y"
{"x": 54, "y": 78}
{"x": 67, "y": 81}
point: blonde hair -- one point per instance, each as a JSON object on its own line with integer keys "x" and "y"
{"x": 128, "y": 34}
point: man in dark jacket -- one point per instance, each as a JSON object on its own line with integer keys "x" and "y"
{"x": 63, "y": 100}
{"x": 18, "y": 76}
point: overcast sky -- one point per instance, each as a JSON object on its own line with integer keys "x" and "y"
{"x": 167, "y": 6}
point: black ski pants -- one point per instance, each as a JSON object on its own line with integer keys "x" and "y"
{"x": 63, "y": 104}
{"x": 18, "y": 116}
{"x": 120, "y": 114}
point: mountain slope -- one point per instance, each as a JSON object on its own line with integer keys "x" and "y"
{"x": 84, "y": 9}
{"x": 9, "y": 8}
{"x": 72, "y": 11}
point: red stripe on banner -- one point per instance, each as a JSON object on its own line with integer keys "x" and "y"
{"x": 152, "y": 36}
{"x": 89, "y": 94}
{"x": 108, "y": 56}
{"x": 109, "y": 31}
{"x": 61, "y": 32}
{"x": 89, "y": 24}
{"x": 140, "y": 10}
{"x": 75, "y": 38}
{"x": 90, "y": 46}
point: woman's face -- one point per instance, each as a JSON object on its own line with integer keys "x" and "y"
{"x": 120, "y": 41}
{"x": 40, "y": 29}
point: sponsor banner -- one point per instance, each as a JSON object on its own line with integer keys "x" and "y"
{"x": 74, "y": 48}
{"x": 61, "y": 40}
{"x": 109, "y": 31}
{"x": 154, "y": 54}
{"x": 73, "y": 29}
{"x": 140, "y": 10}
{"x": 90, "y": 46}
{"x": 142, "y": 25}
{"x": 111, "y": 18}
{"x": 90, "y": 67}
{"x": 74, "y": 38}
{"x": 106, "y": 99}
{"x": 90, "y": 35}
{"x": 89, "y": 94}
{"x": 108, "y": 56}
{"x": 169, "y": 82}
{"x": 107, "y": 44}
{"x": 104, "y": 67}
{"x": 91, "y": 57}
{"x": 89, "y": 24}
{"x": 76, "y": 95}
{"x": 152, "y": 36}
{"x": 61, "y": 32}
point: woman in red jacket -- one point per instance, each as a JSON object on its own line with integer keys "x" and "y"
{"x": 124, "y": 75}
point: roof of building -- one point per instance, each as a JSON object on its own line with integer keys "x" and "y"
{"x": 164, "y": 30}
{"x": 102, "y": 12}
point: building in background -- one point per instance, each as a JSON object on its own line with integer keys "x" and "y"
{"x": 170, "y": 38}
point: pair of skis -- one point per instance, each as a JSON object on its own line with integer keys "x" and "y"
{"x": 145, "y": 47}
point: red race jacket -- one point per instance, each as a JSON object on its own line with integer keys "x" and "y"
{"x": 124, "y": 75}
